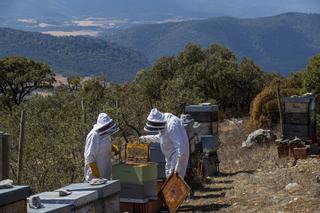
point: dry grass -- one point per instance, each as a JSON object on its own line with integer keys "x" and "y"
{"x": 254, "y": 180}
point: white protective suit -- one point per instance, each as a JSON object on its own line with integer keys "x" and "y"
{"x": 173, "y": 142}
{"x": 98, "y": 149}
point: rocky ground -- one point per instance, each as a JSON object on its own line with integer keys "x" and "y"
{"x": 256, "y": 180}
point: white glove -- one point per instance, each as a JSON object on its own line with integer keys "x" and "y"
{"x": 143, "y": 138}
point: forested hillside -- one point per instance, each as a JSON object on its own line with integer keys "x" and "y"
{"x": 280, "y": 43}
{"x": 74, "y": 55}
{"x": 195, "y": 75}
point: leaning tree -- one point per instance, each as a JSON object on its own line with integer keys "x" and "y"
{"x": 20, "y": 76}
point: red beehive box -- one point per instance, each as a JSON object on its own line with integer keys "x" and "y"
{"x": 300, "y": 153}
{"x": 151, "y": 206}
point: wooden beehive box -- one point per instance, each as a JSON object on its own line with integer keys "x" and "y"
{"x": 137, "y": 152}
{"x": 174, "y": 191}
{"x": 300, "y": 152}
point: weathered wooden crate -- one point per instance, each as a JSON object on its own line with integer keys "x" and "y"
{"x": 135, "y": 172}
{"x": 174, "y": 191}
{"x": 108, "y": 194}
{"x": 13, "y": 200}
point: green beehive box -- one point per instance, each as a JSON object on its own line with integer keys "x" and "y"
{"x": 135, "y": 172}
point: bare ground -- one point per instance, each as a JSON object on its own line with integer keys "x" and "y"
{"x": 255, "y": 180}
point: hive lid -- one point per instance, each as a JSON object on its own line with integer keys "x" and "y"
{"x": 76, "y": 199}
{"x": 174, "y": 191}
{"x": 202, "y": 108}
{"x": 14, "y": 194}
{"x": 56, "y": 208}
{"x": 103, "y": 190}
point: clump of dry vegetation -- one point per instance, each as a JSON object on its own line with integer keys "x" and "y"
{"x": 255, "y": 180}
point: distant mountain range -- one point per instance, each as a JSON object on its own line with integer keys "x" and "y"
{"x": 281, "y": 43}
{"x": 74, "y": 55}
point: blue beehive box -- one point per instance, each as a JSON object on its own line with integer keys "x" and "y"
{"x": 14, "y": 199}
{"x": 13, "y": 194}
{"x": 157, "y": 156}
{"x": 209, "y": 143}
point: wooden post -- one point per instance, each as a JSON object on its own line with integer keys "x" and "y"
{"x": 84, "y": 117}
{"x": 1, "y": 156}
{"x": 279, "y": 107}
{"x": 21, "y": 142}
{"x": 4, "y": 156}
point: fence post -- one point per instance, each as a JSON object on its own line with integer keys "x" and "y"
{"x": 4, "y": 156}
{"x": 279, "y": 108}
{"x": 21, "y": 144}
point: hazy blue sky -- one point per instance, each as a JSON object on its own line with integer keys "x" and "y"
{"x": 156, "y": 8}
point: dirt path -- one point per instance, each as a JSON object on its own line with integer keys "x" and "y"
{"x": 255, "y": 180}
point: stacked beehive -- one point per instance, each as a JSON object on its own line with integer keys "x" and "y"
{"x": 299, "y": 121}
{"x": 299, "y": 118}
{"x": 207, "y": 116}
{"x": 138, "y": 179}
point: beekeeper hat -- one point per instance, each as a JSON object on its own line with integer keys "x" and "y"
{"x": 155, "y": 121}
{"x": 105, "y": 125}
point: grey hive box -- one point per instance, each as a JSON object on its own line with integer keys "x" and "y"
{"x": 52, "y": 208}
{"x": 14, "y": 199}
{"x": 203, "y": 112}
{"x": 108, "y": 194}
{"x": 139, "y": 191}
{"x": 81, "y": 201}
{"x": 156, "y": 154}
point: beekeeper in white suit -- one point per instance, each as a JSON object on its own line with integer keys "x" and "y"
{"x": 173, "y": 140}
{"x": 98, "y": 149}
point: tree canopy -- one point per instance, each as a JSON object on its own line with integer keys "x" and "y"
{"x": 20, "y": 76}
